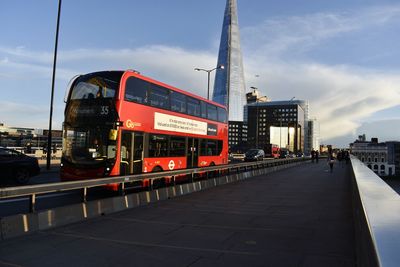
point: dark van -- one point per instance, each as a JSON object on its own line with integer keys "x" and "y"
{"x": 284, "y": 153}
{"x": 254, "y": 155}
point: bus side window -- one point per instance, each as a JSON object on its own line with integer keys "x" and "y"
{"x": 212, "y": 147}
{"x": 178, "y": 102}
{"x": 136, "y": 90}
{"x": 221, "y": 114}
{"x": 203, "y": 109}
{"x": 159, "y": 97}
{"x": 177, "y": 146}
{"x": 203, "y": 147}
{"x": 193, "y": 107}
{"x": 212, "y": 112}
{"x": 158, "y": 146}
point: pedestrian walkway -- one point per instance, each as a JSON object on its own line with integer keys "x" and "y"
{"x": 299, "y": 216}
{"x": 54, "y": 165}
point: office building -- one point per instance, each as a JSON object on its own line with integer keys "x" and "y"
{"x": 311, "y": 136}
{"x": 21, "y": 137}
{"x": 374, "y": 154}
{"x": 237, "y": 138}
{"x": 277, "y": 122}
{"x": 394, "y": 155}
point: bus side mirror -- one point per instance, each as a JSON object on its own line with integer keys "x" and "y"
{"x": 113, "y": 134}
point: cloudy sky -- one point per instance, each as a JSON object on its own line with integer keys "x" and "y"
{"x": 340, "y": 55}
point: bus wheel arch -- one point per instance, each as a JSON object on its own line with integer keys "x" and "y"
{"x": 157, "y": 169}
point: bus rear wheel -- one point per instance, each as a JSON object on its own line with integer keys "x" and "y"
{"x": 158, "y": 182}
{"x": 212, "y": 174}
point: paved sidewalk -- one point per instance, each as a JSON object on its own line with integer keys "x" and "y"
{"x": 47, "y": 176}
{"x": 54, "y": 165}
{"x": 299, "y": 216}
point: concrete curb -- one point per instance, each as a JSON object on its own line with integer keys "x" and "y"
{"x": 22, "y": 224}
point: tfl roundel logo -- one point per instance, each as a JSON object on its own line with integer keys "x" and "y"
{"x": 171, "y": 165}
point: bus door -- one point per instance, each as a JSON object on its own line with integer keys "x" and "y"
{"x": 131, "y": 153}
{"x": 192, "y": 152}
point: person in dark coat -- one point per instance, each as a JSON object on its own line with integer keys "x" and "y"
{"x": 331, "y": 160}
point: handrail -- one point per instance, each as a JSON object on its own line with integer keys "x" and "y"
{"x": 33, "y": 190}
{"x": 380, "y": 208}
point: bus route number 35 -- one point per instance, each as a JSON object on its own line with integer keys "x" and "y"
{"x": 104, "y": 110}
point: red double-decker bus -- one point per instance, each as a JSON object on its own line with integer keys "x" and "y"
{"x": 272, "y": 151}
{"x": 122, "y": 123}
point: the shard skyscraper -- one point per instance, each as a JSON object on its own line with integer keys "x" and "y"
{"x": 229, "y": 86}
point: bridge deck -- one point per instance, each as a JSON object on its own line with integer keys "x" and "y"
{"x": 295, "y": 217}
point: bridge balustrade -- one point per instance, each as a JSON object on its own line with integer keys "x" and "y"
{"x": 377, "y": 218}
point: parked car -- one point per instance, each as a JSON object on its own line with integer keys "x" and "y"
{"x": 254, "y": 155}
{"x": 18, "y": 166}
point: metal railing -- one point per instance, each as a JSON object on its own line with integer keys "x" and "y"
{"x": 32, "y": 191}
{"x": 377, "y": 218}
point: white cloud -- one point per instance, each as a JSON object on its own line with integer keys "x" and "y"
{"x": 340, "y": 96}
{"x": 386, "y": 130}
{"x": 25, "y": 55}
{"x": 284, "y": 36}
{"x": 24, "y": 115}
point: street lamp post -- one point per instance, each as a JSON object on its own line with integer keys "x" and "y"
{"x": 280, "y": 127}
{"x": 257, "y": 119}
{"x": 52, "y": 88}
{"x": 295, "y": 131}
{"x": 208, "y": 77}
{"x": 280, "y": 131}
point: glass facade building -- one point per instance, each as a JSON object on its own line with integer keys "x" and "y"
{"x": 229, "y": 86}
{"x": 280, "y": 123}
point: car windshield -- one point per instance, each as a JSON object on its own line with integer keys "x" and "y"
{"x": 88, "y": 146}
{"x": 9, "y": 152}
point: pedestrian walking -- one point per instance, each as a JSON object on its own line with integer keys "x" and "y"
{"x": 331, "y": 161}
{"x": 347, "y": 157}
{"x": 340, "y": 157}
{"x": 316, "y": 156}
